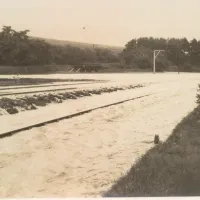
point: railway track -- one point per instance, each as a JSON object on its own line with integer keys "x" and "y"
{"x": 2, "y": 94}
{"x": 12, "y": 132}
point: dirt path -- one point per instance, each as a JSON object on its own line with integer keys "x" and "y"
{"x": 83, "y": 156}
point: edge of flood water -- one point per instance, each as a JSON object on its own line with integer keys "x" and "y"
{"x": 171, "y": 168}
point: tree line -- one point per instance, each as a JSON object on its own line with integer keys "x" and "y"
{"x": 179, "y": 52}
{"x": 18, "y": 49}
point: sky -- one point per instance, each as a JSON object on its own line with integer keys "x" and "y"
{"x": 110, "y": 22}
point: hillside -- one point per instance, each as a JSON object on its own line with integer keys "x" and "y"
{"x": 19, "y": 49}
{"x": 113, "y": 49}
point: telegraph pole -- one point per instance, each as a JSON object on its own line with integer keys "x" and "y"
{"x": 178, "y": 54}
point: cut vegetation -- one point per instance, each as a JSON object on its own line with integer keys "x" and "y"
{"x": 13, "y": 106}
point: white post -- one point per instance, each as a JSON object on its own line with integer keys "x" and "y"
{"x": 154, "y": 62}
{"x": 155, "y": 54}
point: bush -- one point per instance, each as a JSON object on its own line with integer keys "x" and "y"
{"x": 187, "y": 68}
{"x": 160, "y": 67}
{"x": 143, "y": 63}
{"x": 198, "y": 95}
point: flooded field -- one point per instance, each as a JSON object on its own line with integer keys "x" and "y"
{"x": 85, "y": 155}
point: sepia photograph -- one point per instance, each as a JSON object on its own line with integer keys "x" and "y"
{"x": 99, "y": 98}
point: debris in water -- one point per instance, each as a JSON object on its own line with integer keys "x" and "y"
{"x": 156, "y": 139}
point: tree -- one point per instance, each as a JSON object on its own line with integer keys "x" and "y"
{"x": 178, "y": 51}
{"x": 16, "y": 48}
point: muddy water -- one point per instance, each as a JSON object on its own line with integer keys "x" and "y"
{"x": 84, "y": 156}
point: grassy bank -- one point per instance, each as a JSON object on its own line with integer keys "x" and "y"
{"x": 15, "y": 81}
{"x": 171, "y": 168}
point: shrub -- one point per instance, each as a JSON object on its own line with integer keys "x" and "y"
{"x": 143, "y": 62}
{"x": 198, "y": 94}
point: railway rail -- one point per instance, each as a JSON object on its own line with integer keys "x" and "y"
{"x": 12, "y": 132}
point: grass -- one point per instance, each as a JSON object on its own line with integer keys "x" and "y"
{"x": 168, "y": 169}
{"x": 35, "y": 81}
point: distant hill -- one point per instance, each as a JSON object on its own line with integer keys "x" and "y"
{"x": 114, "y": 49}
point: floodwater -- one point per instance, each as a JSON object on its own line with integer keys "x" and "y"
{"x": 85, "y": 155}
